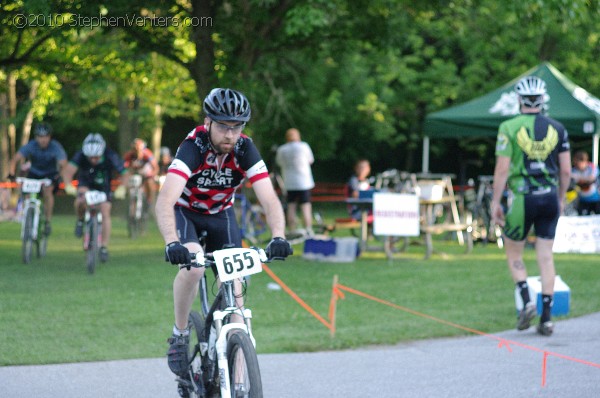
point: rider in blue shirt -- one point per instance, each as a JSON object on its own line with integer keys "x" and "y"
{"x": 42, "y": 157}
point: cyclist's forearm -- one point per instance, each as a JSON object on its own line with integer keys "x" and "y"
{"x": 165, "y": 219}
{"x": 275, "y": 218}
{"x": 12, "y": 167}
{"x": 165, "y": 202}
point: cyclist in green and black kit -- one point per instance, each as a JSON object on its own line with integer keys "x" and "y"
{"x": 532, "y": 156}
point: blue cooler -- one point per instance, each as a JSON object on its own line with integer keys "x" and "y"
{"x": 339, "y": 250}
{"x": 562, "y": 295}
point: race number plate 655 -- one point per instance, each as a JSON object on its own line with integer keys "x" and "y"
{"x": 237, "y": 263}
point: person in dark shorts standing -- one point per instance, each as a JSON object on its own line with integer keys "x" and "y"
{"x": 46, "y": 157}
{"x": 295, "y": 159}
{"x": 198, "y": 193}
{"x": 532, "y": 156}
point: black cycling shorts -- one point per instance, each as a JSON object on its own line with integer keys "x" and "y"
{"x": 541, "y": 211}
{"x": 222, "y": 228}
{"x": 298, "y": 196}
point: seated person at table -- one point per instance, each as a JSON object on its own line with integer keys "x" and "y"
{"x": 585, "y": 175}
{"x": 358, "y": 182}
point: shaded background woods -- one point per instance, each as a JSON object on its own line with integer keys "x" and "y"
{"x": 356, "y": 77}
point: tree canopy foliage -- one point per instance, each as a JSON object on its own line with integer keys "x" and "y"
{"x": 356, "y": 77}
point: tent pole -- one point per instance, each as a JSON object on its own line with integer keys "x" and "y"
{"x": 425, "y": 163}
{"x": 595, "y": 148}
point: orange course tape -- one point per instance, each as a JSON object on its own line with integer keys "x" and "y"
{"x": 338, "y": 292}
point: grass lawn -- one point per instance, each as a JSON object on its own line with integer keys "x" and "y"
{"x": 53, "y": 311}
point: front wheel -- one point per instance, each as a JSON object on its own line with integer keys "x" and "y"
{"x": 92, "y": 249}
{"x": 27, "y": 249}
{"x": 42, "y": 244}
{"x": 244, "y": 372}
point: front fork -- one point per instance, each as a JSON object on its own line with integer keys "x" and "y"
{"x": 86, "y": 234}
{"x": 221, "y": 343}
{"x": 35, "y": 204}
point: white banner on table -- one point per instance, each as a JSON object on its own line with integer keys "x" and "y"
{"x": 395, "y": 214}
{"x": 579, "y": 234}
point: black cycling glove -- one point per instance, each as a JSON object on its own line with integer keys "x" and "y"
{"x": 278, "y": 247}
{"x": 176, "y": 253}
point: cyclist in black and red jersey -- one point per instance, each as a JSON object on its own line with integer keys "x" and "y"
{"x": 140, "y": 160}
{"x": 198, "y": 194}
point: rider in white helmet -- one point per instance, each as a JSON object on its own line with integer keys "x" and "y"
{"x": 96, "y": 166}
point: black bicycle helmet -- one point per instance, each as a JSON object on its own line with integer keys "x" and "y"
{"x": 224, "y": 104}
{"x": 42, "y": 129}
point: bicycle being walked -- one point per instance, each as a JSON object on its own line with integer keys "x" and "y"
{"x": 96, "y": 166}
{"x": 197, "y": 195}
{"x": 41, "y": 158}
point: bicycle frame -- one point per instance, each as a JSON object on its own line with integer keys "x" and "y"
{"x": 216, "y": 326}
{"x": 92, "y": 238}
{"x": 136, "y": 197}
{"x": 30, "y": 188}
{"x": 31, "y": 202}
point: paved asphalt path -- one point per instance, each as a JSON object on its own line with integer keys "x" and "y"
{"x": 475, "y": 366}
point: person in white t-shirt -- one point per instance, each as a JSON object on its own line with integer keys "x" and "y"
{"x": 295, "y": 159}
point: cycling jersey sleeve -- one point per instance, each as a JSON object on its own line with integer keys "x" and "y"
{"x": 26, "y": 149}
{"x": 564, "y": 142}
{"x": 503, "y": 145}
{"x": 77, "y": 159}
{"x": 187, "y": 158}
{"x": 115, "y": 161}
{"x": 252, "y": 162}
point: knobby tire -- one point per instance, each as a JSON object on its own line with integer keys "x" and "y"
{"x": 243, "y": 366}
{"x": 27, "y": 249}
{"x": 194, "y": 379}
{"x": 136, "y": 220}
{"x": 92, "y": 251}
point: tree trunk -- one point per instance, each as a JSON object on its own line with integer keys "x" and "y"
{"x": 26, "y": 132}
{"x": 202, "y": 68}
{"x": 4, "y": 155}
{"x": 157, "y": 131}
{"x": 11, "y": 80}
{"x": 124, "y": 125}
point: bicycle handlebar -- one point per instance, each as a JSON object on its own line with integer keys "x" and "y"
{"x": 44, "y": 181}
{"x": 209, "y": 260}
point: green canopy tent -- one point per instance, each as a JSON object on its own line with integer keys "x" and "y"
{"x": 566, "y": 102}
